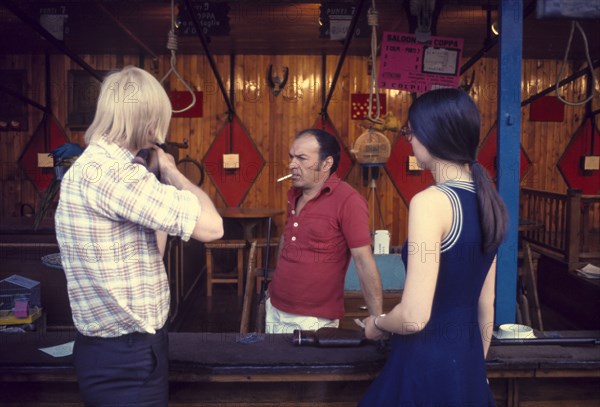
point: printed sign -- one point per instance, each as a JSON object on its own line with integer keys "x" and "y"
{"x": 413, "y": 66}
{"x": 335, "y": 19}
{"x": 212, "y": 17}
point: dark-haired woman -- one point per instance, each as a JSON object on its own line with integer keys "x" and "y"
{"x": 441, "y": 329}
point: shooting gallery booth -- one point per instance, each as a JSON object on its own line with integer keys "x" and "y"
{"x": 243, "y": 78}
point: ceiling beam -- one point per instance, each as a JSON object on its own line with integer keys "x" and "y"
{"x": 127, "y": 31}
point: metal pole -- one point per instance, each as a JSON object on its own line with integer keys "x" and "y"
{"x": 564, "y": 82}
{"x": 24, "y": 99}
{"x": 347, "y": 41}
{"x": 509, "y": 143}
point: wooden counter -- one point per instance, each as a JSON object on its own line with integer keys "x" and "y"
{"x": 214, "y": 369}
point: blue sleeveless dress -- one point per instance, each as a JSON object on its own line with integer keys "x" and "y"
{"x": 443, "y": 365}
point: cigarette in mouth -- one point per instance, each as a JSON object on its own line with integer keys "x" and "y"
{"x": 284, "y": 177}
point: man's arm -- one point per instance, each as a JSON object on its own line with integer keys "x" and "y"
{"x": 368, "y": 275}
{"x": 209, "y": 225}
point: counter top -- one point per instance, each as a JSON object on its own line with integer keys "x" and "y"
{"x": 221, "y": 357}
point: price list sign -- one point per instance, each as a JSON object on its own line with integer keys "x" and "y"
{"x": 413, "y": 66}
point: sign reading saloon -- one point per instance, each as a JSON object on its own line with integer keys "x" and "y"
{"x": 413, "y": 66}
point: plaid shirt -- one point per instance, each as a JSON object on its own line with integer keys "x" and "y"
{"x": 106, "y": 219}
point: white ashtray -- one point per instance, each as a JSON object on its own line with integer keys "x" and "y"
{"x": 515, "y": 331}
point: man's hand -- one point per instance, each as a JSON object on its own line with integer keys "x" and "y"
{"x": 152, "y": 162}
{"x": 163, "y": 164}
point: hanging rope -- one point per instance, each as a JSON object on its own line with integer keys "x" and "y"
{"x": 589, "y": 61}
{"x": 372, "y": 18}
{"x": 172, "y": 46}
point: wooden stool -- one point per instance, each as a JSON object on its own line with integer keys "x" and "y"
{"x": 219, "y": 277}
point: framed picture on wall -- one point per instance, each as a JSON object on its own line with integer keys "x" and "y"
{"x": 13, "y": 111}
{"x": 83, "y": 95}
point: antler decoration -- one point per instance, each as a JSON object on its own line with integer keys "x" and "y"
{"x": 276, "y": 82}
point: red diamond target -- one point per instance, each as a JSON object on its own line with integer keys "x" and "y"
{"x": 48, "y": 136}
{"x": 408, "y": 182}
{"x": 233, "y": 184}
{"x": 585, "y": 143}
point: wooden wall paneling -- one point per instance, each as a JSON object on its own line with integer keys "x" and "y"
{"x": 484, "y": 92}
{"x": 199, "y": 135}
{"x": 283, "y": 115}
{"x": 273, "y": 121}
{"x": 530, "y": 87}
{"x": 35, "y": 66}
{"x": 214, "y": 119}
{"x": 248, "y": 108}
{"x": 250, "y": 87}
{"x": 540, "y": 133}
{"x": 179, "y": 125}
{"x": 196, "y": 133}
{"x": 331, "y": 63}
{"x": 288, "y": 112}
{"x": 12, "y": 143}
{"x": 279, "y": 134}
{"x": 200, "y": 132}
{"x": 539, "y": 136}
{"x": 343, "y": 102}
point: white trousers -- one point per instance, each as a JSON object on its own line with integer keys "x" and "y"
{"x": 281, "y": 322}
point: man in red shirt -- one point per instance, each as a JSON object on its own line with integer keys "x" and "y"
{"x": 327, "y": 223}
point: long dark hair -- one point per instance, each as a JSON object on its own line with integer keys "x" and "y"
{"x": 446, "y": 122}
{"x": 328, "y": 145}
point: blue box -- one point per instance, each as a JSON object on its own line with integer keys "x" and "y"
{"x": 391, "y": 269}
{"x": 20, "y": 288}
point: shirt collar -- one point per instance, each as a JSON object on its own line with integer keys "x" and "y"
{"x": 326, "y": 189}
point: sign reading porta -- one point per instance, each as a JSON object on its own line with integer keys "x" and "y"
{"x": 413, "y": 66}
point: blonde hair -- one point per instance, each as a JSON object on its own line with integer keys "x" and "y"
{"x": 133, "y": 110}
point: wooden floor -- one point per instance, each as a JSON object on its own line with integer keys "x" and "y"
{"x": 219, "y": 313}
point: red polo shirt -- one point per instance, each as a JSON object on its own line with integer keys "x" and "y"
{"x": 309, "y": 279}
